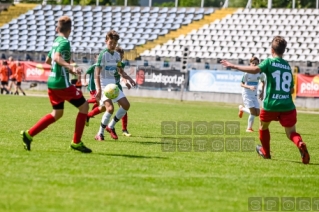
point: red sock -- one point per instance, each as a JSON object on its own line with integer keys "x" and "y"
{"x": 124, "y": 122}
{"x": 95, "y": 105}
{"x": 296, "y": 138}
{"x": 94, "y": 112}
{"x": 264, "y": 136}
{"x": 79, "y": 127}
{"x": 43, "y": 123}
{"x": 91, "y": 101}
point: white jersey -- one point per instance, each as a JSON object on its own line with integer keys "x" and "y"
{"x": 252, "y": 80}
{"x": 108, "y": 62}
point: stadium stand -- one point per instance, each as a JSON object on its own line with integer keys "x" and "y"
{"x": 34, "y": 31}
{"x": 9, "y": 12}
{"x": 153, "y": 33}
{"x": 248, "y": 32}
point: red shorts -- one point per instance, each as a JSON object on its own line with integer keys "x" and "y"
{"x": 92, "y": 94}
{"x": 58, "y": 96}
{"x": 286, "y": 119}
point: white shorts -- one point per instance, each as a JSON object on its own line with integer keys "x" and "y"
{"x": 104, "y": 98}
{"x": 251, "y": 101}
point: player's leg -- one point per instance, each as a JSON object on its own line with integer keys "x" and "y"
{"x": 124, "y": 107}
{"x": 245, "y": 108}
{"x": 264, "y": 135}
{"x": 5, "y": 86}
{"x": 96, "y": 111}
{"x": 10, "y": 86}
{"x": 109, "y": 109}
{"x": 254, "y": 111}
{"x": 78, "y": 100}
{"x": 20, "y": 88}
{"x": 251, "y": 119}
{"x": 58, "y": 108}
{"x": 124, "y": 125}
{"x": 16, "y": 90}
{"x": 14, "y": 82}
{"x": 93, "y": 112}
{"x": 289, "y": 120}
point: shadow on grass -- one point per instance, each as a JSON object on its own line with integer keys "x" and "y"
{"x": 163, "y": 137}
{"x": 133, "y": 156}
{"x": 150, "y": 142}
{"x": 299, "y": 162}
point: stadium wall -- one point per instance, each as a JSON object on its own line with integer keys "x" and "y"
{"x": 307, "y": 103}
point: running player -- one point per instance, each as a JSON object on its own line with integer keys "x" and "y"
{"x": 19, "y": 77}
{"x": 91, "y": 88}
{"x": 4, "y": 77}
{"x": 108, "y": 70}
{"x": 60, "y": 90}
{"x": 12, "y": 76}
{"x": 277, "y": 104}
{"x": 250, "y": 98}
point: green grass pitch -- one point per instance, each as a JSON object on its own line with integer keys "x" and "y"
{"x": 133, "y": 173}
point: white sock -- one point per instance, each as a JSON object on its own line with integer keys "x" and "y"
{"x": 251, "y": 119}
{"x": 119, "y": 114}
{"x": 246, "y": 110}
{"x": 105, "y": 120}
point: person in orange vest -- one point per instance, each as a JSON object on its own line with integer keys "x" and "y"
{"x": 4, "y": 77}
{"x": 19, "y": 77}
{"x": 13, "y": 81}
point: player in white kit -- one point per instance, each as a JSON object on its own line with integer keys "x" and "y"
{"x": 250, "y": 96}
{"x": 109, "y": 70}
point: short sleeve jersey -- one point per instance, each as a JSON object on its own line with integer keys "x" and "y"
{"x": 278, "y": 86}
{"x": 19, "y": 73}
{"x": 90, "y": 72}
{"x": 59, "y": 76}
{"x": 109, "y": 62}
{"x": 13, "y": 68}
{"x": 4, "y": 73}
{"x": 251, "y": 80}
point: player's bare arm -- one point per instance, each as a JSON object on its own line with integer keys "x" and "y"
{"x": 247, "y": 69}
{"x": 247, "y": 86}
{"x": 48, "y": 60}
{"x": 125, "y": 76}
{"x": 261, "y": 95}
{"x": 97, "y": 73}
{"x": 59, "y": 60}
{"x": 128, "y": 85}
{"x": 84, "y": 80}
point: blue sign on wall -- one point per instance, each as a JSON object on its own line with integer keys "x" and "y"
{"x": 215, "y": 81}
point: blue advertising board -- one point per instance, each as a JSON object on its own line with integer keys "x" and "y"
{"x": 215, "y": 81}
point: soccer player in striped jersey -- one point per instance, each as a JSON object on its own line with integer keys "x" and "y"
{"x": 250, "y": 98}
{"x": 278, "y": 104}
{"x": 109, "y": 70}
{"x": 61, "y": 90}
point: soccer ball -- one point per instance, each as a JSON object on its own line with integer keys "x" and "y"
{"x": 111, "y": 91}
